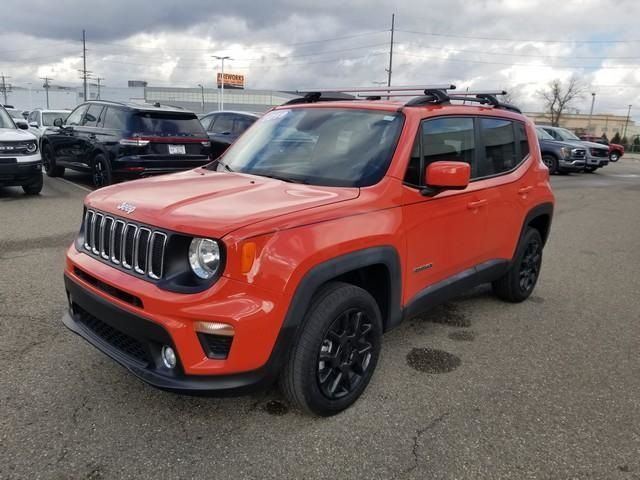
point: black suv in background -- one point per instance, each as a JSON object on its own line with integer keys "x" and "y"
{"x": 225, "y": 127}
{"x": 114, "y": 140}
{"x": 560, "y": 156}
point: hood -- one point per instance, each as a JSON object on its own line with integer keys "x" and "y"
{"x": 15, "y": 135}
{"x": 596, "y": 145}
{"x": 213, "y": 204}
{"x": 562, "y": 143}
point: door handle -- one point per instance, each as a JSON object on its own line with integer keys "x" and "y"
{"x": 477, "y": 204}
{"x": 92, "y": 136}
{"x": 525, "y": 190}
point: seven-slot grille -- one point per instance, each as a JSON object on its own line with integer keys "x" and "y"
{"x": 131, "y": 246}
{"x": 578, "y": 153}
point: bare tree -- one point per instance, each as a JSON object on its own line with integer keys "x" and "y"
{"x": 559, "y": 97}
{"x": 513, "y": 96}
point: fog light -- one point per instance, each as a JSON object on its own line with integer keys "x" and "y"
{"x": 169, "y": 357}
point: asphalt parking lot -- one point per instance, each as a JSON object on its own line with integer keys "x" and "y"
{"x": 545, "y": 389}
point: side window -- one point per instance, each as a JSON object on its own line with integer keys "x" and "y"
{"x": 75, "y": 117}
{"x": 114, "y": 118}
{"x": 241, "y": 124}
{"x": 93, "y": 114}
{"x": 206, "y": 122}
{"x": 499, "y": 147}
{"x": 223, "y": 123}
{"x": 521, "y": 130}
{"x": 33, "y": 117}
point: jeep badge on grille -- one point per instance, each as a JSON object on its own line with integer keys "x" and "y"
{"x": 126, "y": 207}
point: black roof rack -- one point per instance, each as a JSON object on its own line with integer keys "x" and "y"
{"x": 431, "y": 95}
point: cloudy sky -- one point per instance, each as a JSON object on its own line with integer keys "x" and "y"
{"x": 520, "y": 45}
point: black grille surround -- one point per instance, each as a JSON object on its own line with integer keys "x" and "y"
{"x": 599, "y": 152}
{"x": 578, "y": 154}
{"x": 133, "y": 247}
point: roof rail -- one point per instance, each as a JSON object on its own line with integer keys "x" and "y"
{"x": 373, "y": 93}
{"x": 484, "y": 98}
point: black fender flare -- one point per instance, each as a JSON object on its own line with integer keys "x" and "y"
{"x": 321, "y": 274}
{"x": 543, "y": 209}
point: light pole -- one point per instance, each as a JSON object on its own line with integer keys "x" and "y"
{"x": 222, "y": 59}
{"x": 202, "y": 92}
{"x": 593, "y": 101}
{"x": 626, "y": 123}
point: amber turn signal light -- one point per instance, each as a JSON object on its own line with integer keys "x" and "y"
{"x": 247, "y": 257}
{"x": 215, "y": 328}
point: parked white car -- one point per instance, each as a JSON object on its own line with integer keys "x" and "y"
{"x": 17, "y": 116}
{"x": 20, "y": 161}
{"x": 41, "y": 120}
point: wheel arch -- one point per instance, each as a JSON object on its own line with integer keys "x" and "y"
{"x": 539, "y": 217}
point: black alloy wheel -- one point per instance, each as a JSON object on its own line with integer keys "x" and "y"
{"x": 530, "y": 265}
{"x": 345, "y": 354}
{"x": 101, "y": 172}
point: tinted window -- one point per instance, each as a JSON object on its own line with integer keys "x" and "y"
{"x": 499, "y": 147}
{"x": 114, "y": 118}
{"x": 222, "y": 124}
{"x": 413, "y": 170}
{"x": 319, "y": 146}
{"x": 206, "y": 122}
{"x": 241, "y": 123}
{"x": 524, "y": 141}
{"x": 167, "y": 124}
{"x": 49, "y": 117}
{"x": 543, "y": 134}
{"x": 92, "y": 116}
{"x": 5, "y": 119}
{"x": 75, "y": 117}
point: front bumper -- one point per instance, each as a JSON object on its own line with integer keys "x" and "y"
{"x": 136, "y": 343}
{"x": 20, "y": 171}
{"x": 597, "y": 161}
{"x": 571, "y": 165}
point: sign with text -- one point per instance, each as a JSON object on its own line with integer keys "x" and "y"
{"x": 231, "y": 80}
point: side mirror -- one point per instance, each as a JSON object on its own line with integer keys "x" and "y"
{"x": 23, "y": 126}
{"x": 33, "y": 124}
{"x": 446, "y": 175}
{"x": 58, "y": 122}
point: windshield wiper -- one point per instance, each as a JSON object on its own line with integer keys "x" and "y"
{"x": 280, "y": 177}
{"x": 225, "y": 166}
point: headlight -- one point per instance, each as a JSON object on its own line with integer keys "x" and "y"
{"x": 204, "y": 257}
{"x": 31, "y": 147}
{"x": 566, "y": 152}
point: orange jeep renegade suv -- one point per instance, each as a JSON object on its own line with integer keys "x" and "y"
{"x": 325, "y": 225}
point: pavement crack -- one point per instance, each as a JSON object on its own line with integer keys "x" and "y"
{"x": 416, "y": 439}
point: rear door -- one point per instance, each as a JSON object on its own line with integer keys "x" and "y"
{"x": 446, "y": 233}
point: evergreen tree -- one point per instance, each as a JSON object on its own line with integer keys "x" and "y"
{"x": 616, "y": 138}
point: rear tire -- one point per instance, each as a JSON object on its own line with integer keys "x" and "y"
{"x": 551, "y": 162}
{"x": 336, "y": 353}
{"x": 101, "y": 171}
{"x": 49, "y": 162}
{"x": 614, "y": 157}
{"x": 35, "y": 187}
{"x": 517, "y": 284}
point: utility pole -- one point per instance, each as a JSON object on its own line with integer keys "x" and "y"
{"x": 221, "y": 103}
{"x": 46, "y": 87}
{"x": 624, "y": 135}
{"x": 84, "y": 64}
{"x": 98, "y": 79}
{"x": 4, "y": 87}
{"x": 593, "y": 101}
{"x": 389, "y": 70}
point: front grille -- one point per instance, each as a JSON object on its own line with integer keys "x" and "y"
{"x": 114, "y": 337}
{"x": 106, "y": 288}
{"x": 599, "y": 152}
{"x": 15, "y": 148}
{"x": 578, "y": 153}
{"x": 132, "y": 246}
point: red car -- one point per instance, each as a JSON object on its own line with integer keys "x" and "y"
{"x": 323, "y": 226}
{"x": 616, "y": 151}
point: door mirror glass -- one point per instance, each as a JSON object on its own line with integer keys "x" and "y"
{"x": 33, "y": 124}
{"x": 446, "y": 175}
{"x": 58, "y": 122}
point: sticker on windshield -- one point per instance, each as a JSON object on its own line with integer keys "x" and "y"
{"x": 389, "y": 118}
{"x": 275, "y": 115}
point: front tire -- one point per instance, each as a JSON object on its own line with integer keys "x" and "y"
{"x": 49, "y": 162}
{"x": 551, "y": 162}
{"x": 517, "y": 284}
{"x": 337, "y": 351}
{"x": 35, "y": 187}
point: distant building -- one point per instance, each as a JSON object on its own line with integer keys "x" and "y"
{"x": 597, "y": 125}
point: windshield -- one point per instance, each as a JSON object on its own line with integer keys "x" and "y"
{"x": 542, "y": 134}
{"x": 49, "y": 117}
{"x": 15, "y": 113}
{"x": 167, "y": 124}
{"x": 318, "y": 146}
{"x": 566, "y": 134}
{"x": 5, "y": 119}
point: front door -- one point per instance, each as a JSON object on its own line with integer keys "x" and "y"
{"x": 446, "y": 233}
{"x": 64, "y": 140}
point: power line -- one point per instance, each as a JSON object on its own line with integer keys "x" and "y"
{"x": 84, "y": 64}
{"x": 46, "y": 87}
{"x": 4, "y": 87}
{"x": 497, "y": 39}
